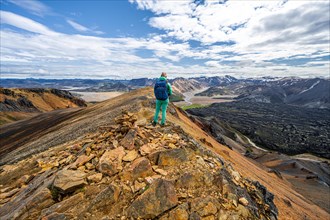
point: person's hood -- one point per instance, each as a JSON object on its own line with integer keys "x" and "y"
{"x": 162, "y": 78}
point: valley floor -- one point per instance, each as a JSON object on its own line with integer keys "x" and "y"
{"x": 97, "y": 96}
{"x": 191, "y": 98}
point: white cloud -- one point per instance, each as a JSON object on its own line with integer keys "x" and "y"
{"x": 213, "y": 63}
{"x": 47, "y": 53}
{"x": 258, "y": 29}
{"x": 82, "y": 28}
{"x": 77, "y": 55}
{"x": 33, "y": 6}
{"x": 77, "y": 26}
{"x": 24, "y": 23}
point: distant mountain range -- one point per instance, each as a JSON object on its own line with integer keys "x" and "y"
{"x": 312, "y": 92}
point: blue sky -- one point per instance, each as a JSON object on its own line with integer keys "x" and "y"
{"x": 141, "y": 38}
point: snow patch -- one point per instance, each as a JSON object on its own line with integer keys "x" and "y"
{"x": 310, "y": 87}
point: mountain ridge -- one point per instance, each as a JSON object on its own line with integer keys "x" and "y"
{"x": 291, "y": 205}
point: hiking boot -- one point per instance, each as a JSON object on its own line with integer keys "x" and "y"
{"x": 154, "y": 123}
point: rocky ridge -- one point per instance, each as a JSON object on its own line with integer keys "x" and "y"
{"x": 131, "y": 170}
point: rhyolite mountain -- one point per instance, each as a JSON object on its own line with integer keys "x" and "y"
{"x": 16, "y": 104}
{"x": 106, "y": 161}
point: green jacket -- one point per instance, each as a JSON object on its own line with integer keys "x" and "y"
{"x": 169, "y": 87}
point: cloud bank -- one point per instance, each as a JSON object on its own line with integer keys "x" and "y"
{"x": 241, "y": 38}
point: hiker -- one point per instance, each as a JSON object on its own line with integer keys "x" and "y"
{"x": 162, "y": 92}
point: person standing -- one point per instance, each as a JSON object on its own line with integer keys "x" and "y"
{"x": 162, "y": 91}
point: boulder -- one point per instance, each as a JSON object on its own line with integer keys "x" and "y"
{"x": 31, "y": 207}
{"x": 63, "y": 206}
{"x": 189, "y": 181}
{"x": 67, "y": 181}
{"x": 130, "y": 156}
{"x": 172, "y": 157}
{"x": 159, "y": 198}
{"x": 146, "y": 149}
{"x": 140, "y": 168}
{"x": 97, "y": 177}
{"x": 179, "y": 213}
{"x": 205, "y": 206}
{"x": 111, "y": 161}
{"x": 128, "y": 140}
{"x": 82, "y": 159}
{"x": 105, "y": 198}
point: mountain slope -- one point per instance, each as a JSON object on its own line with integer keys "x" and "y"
{"x": 16, "y": 104}
{"x": 179, "y": 166}
{"x": 314, "y": 93}
{"x": 182, "y": 85}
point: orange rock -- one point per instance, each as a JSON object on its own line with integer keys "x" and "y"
{"x": 157, "y": 199}
{"x": 111, "y": 161}
{"x": 140, "y": 168}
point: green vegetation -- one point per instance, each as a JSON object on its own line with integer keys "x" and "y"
{"x": 55, "y": 193}
{"x": 185, "y": 107}
{"x": 176, "y": 98}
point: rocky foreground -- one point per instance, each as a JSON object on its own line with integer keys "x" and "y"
{"x": 131, "y": 170}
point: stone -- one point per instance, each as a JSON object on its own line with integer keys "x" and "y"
{"x": 89, "y": 166}
{"x": 145, "y": 149}
{"x": 153, "y": 156}
{"x": 58, "y": 216}
{"x": 82, "y": 159}
{"x": 188, "y": 181}
{"x": 67, "y": 181}
{"x": 25, "y": 179}
{"x": 111, "y": 161}
{"x": 210, "y": 217}
{"x": 128, "y": 140}
{"x": 9, "y": 194}
{"x": 161, "y": 172}
{"x": 29, "y": 208}
{"x": 88, "y": 151}
{"x": 159, "y": 198}
{"x": 91, "y": 191}
{"x": 172, "y": 146}
{"x": 233, "y": 198}
{"x": 194, "y": 216}
{"x": 236, "y": 176}
{"x": 115, "y": 143}
{"x": 106, "y": 197}
{"x": 64, "y": 205}
{"x": 172, "y": 157}
{"x": 200, "y": 161}
{"x": 179, "y": 214}
{"x": 97, "y": 177}
{"x": 243, "y": 201}
{"x": 138, "y": 186}
{"x": 7, "y": 189}
{"x": 243, "y": 211}
{"x": 130, "y": 156}
{"x": 81, "y": 168}
{"x": 151, "y": 179}
{"x": 139, "y": 168}
{"x": 141, "y": 122}
{"x": 205, "y": 206}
